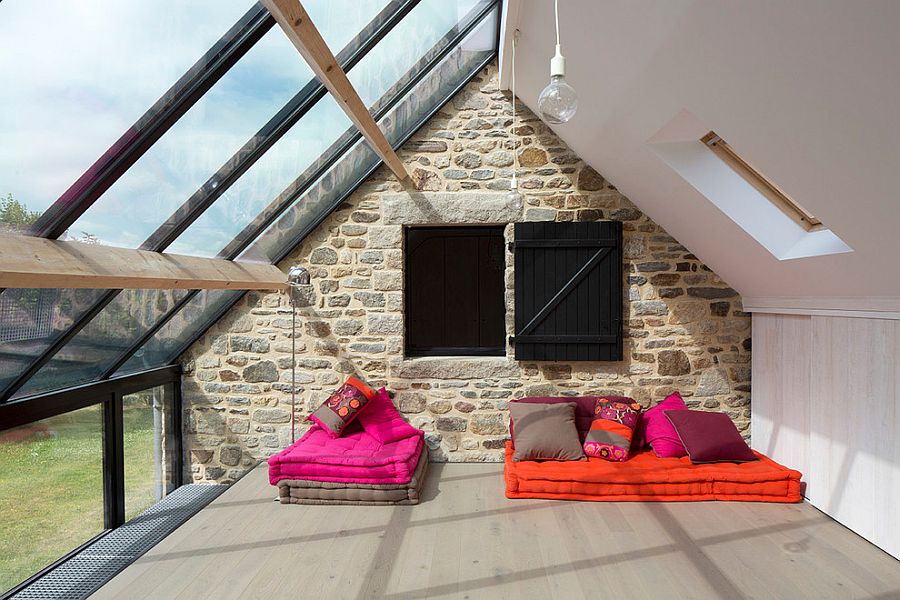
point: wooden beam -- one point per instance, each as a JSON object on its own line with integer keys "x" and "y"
{"x": 32, "y": 262}
{"x": 302, "y": 32}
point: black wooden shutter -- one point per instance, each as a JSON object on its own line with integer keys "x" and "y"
{"x": 568, "y": 291}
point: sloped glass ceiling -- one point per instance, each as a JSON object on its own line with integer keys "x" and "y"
{"x": 247, "y": 171}
{"x": 83, "y": 73}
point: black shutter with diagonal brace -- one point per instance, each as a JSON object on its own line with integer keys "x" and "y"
{"x": 568, "y": 279}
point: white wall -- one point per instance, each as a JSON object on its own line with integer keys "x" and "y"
{"x": 806, "y": 90}
{"x": 826, "y": 401}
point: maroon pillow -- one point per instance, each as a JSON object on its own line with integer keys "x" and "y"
{"x": 709, "y": 437}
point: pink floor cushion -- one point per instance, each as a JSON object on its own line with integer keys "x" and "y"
{"x": 355, "y": 457}
{"x": 656, "y": 430}
{"x": 383, "y": 422}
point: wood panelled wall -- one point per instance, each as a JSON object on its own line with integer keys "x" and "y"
{"x": 826, "y": 401}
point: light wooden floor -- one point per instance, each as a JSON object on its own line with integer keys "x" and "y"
{"x": 466, "y": 540}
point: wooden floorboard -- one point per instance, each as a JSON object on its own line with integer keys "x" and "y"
{"x": 467, "y": 541}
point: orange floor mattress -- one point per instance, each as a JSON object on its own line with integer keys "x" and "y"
{"x": 646, "y": 478}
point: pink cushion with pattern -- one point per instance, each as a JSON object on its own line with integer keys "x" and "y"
{"x": 343, "y": 406}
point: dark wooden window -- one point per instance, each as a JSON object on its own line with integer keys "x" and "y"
{"x": 568, "y": 291}
{"x": 454, "y": 291}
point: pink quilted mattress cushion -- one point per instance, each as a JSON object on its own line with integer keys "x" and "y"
{"x": 382, "y": 421}
{"x": 355, "y": 457}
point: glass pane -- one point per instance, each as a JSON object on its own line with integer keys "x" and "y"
{"x": 51, "y": 491}
{"x": 402, "y": 120}
{"x": 78, "y": 89}
{"x": 415, "y": 108}
{"x": 213, "y": 130}
{"x": 303, "y": 144}
{"x": 196, "y": 316}
{"x": 31, "y": 320}
{"x": 109, "y": 334}
{"x": 421, "y": 29}
{"x": 149, "y": 448}
{"x": 306, "y": 142}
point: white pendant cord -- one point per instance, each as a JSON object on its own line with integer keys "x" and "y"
{"x": 556, "y": 12}
{"x": 515, "y": 182}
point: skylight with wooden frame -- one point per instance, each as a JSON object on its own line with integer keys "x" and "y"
{"x": 760, "y": 182}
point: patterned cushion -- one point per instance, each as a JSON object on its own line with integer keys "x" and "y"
{"x": 342, "y": 406}
{"x": 612, "y": 428}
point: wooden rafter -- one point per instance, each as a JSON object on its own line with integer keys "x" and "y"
{"x": 297, "y": 25}
{"x": 32, "y": 262}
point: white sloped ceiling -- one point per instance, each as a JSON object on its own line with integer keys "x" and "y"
{"x": 808, "y": 91}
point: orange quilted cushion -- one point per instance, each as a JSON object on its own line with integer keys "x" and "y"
{"x": 645, "y": 477}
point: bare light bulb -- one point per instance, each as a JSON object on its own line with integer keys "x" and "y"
{"x": 514, "y": 199}
{"x": 558, "y": 102}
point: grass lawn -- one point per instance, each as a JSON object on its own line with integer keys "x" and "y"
{"x": 51, "y": 486}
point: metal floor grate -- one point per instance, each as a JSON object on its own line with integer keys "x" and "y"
{"x": 87, "y": 571}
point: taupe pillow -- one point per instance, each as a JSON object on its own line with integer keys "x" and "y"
{"x": 545, "y": 432}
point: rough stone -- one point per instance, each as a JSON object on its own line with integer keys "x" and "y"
{"x": 713, "y": 382}
{"x": 649, "y": 307}
{"x": 450, "y": 424}
{"x": 487, "y": 424}
{"x": 263, "y": 371}
{"x": 532, "y": 157}
{"x": 425, "y": 180}
{"x": 426, "y": 146}
{"x": 467, "y": 160}
{"x": 271, "y": 415}
{"x": 590, "y": 180}
{"x": 411, "y": 402}
{"x": 461, "y": 368}
{"x": 243, "y": 343}
{"x": 323, "y": 256}
{"x": 673, "y": 362}
{"x": 348, "y": 327}
{"x": 230, "y": 455}
{"x": 501, "y": 158}
{"x": 385, "y": 324}
{"x": 711, "y": 293}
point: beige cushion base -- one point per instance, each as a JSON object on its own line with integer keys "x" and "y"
{"x": 304, "y": 491}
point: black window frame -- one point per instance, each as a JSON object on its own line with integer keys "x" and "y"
{"x": 108, "y": 394}
{"x": 462, "y": 230}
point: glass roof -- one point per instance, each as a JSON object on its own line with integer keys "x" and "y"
{"x": 71, "y": 104}
{"x": 247, "y": 169}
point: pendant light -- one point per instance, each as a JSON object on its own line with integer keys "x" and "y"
{"x": 558, "y": 102}
{"x": 514, "y": 198}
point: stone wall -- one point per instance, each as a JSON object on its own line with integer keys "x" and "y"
{"x": 684, "y": 327}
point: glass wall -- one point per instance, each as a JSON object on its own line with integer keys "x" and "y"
{"x": 51, "y": 491}
{"x": 148, "y": 448}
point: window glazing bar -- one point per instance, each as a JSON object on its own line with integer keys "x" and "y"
{"x": 51, "y": 404}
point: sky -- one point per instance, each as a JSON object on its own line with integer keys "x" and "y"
{"x": 78, "y": 73}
